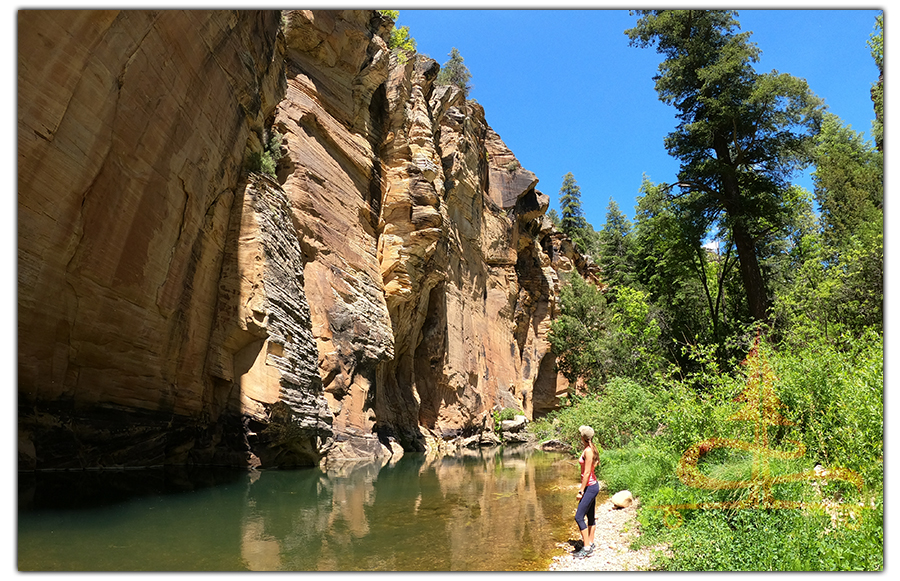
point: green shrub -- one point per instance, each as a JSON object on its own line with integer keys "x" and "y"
{"x": 266, "y": 161}
{"x": 831, "y": 391}
{"x": 620, "y": 412}
{"x": 835, "y": 397}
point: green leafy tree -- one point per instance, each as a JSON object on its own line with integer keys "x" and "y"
{"x": 741, "y": 135}
{"x": 836, "y": 282}
{"x": 400, "y": 37}
{"x": 576, "y": 335}
{"x": 687, "y": 281}
{"x": 848, "y": 180}
{"x": 455, "y": 72}
{"x": 876, "y": 43}
{"x": 595, "y": 341}
{"x": 266, "y": 161}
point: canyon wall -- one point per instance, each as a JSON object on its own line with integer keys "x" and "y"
{"x": 385, "y": 290}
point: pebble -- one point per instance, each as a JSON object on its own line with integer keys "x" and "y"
{"x": 617, "y": 528}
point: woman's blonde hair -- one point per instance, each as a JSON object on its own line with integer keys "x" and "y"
{"x": 587, "y": 433}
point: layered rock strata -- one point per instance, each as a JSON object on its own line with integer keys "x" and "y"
{"x": 390, "y": 287}
{"x": 132, "y": 128}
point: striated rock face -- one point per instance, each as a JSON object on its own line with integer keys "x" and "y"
{"x": 469, "y": 289}
{"x": 332, "y": 120}
{"x": 261, "y": 358}
{"x": 430, "y": 293}
{"x": 391, "y": 285}
{"x": 132, "y": 128}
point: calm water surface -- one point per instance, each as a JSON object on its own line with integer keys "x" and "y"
{"x": 488, "y": 510}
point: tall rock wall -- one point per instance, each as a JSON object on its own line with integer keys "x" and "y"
{"x": 132, "y": 127}
{"x": 388, "y": 288}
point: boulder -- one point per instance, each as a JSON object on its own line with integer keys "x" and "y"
{"x": 516, "y": 424}
{"x": 622, "y": 499}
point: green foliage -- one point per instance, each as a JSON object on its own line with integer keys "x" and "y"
{"x": 772, "y": 540}
{"x": 573, "y": 222}
{"x": 595, "y": 341}
{"x": 577, "y": 334}
{"x": 833, "y": 396}
{"x": 266, "y": 161}
{"x": 876, "y": 44}
{"x": 695, "y": 292}
{"x": 741, "y": 135}
{"x": 832, "y": 295}
{"x": 562, "y": 424}
{"x": 633, "y": 341}
{"x": 640, "y": 467}
{"x": 624, "y": 411}
{"x": 503, "y": 415}
{"x": 615, "y": 241}
{"x": 699, "y": 401}
{"x": 629, "y": 410}
{"x": 849, "y": 180}
{"x": 400, "y": 37}
{"x": 455, "y": 72}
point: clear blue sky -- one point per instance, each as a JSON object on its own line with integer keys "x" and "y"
{"x": 567, "y": 93}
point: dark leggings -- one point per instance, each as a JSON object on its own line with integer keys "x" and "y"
{"x": 586, "y": 506}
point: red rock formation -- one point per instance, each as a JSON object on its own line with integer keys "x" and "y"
{"x": 393, "y": 284}
{"x": 132, "y": 127}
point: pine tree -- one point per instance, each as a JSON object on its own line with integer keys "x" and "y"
{"x": 876, "y": 43}
{"x": 614, "y": 236}
{"x": 741, "y": 135}
{"x": 454, "y": 72}
{"x": 573, "y": 222}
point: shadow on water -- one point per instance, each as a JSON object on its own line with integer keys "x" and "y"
{"x": 484, "y": 510}
{"x": 71, "y": 490}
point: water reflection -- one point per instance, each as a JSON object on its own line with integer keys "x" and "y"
{"x": 484, "y": 511}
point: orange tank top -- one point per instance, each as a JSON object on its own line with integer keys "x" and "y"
{"x": 591, "y": 479}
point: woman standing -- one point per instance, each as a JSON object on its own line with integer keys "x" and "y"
{"x": 587, "y": 492}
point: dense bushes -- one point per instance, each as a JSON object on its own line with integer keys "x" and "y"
{"x": 830, "y": 392}
{"x": 624, "y": 411}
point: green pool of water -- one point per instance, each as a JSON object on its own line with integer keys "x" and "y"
{"x": 487, "y": 510}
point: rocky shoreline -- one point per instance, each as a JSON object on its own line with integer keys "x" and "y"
{"x": 617, "y": 528}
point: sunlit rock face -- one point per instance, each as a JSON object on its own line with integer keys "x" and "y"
{"x": 469, "y": 288}
{"x": 332, "y": 119}
{"x": 391, "y": 285}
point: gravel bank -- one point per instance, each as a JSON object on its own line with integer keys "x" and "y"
{"x": 616, "y": 529}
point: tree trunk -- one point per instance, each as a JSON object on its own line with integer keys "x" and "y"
{"x": 754, "y": 287}
{"x": 745, "y": 246}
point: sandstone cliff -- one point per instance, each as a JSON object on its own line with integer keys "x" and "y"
{"x": 385, "y": 291}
